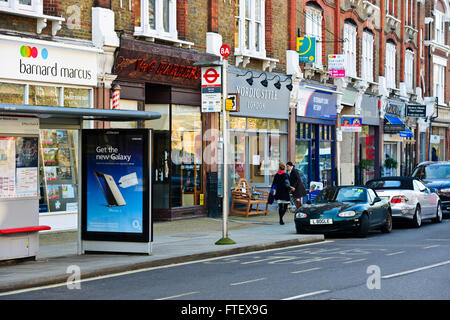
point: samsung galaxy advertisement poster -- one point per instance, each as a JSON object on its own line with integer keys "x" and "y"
{"x": 116, "y": 191}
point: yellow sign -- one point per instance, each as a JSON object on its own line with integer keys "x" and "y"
{"x": 202, "y": 199}
{"x": 229, "y": 103}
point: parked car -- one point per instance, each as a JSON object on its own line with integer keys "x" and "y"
{"x": 410, "y": 199}
{"x": 436, "y": 176}
{"x": 344, "y": 209}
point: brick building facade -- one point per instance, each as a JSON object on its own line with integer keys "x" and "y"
{"x": 396, "y": 53}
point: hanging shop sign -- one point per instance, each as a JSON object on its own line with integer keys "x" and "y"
{"x": 351, "y": 124}
{"x": 211, "y": 89}
{"x": 316, "y": 104}
{"x": 140, "y": 61}
{"x": 416, "y": 110}
{"x": 336, "y": 65}
{"x": 306, "y": 48}
{"x": 46, "y": 61}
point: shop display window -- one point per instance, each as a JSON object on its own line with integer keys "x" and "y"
{"x": 58, "y": 169}
{"x": 256, "y": 155}
{"x": 43, "y": 96}
{"x": 186, "y": 156}
{"x": 11, "y": 93}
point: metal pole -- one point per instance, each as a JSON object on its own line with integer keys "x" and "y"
{"x": 225, "y": 205}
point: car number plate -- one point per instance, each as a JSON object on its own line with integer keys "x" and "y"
{"x": 321, "y": 221}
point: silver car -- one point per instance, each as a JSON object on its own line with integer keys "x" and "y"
{"x": 409, "y": 198}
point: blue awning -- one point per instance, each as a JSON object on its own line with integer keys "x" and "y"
{"x": 407, "y": 133}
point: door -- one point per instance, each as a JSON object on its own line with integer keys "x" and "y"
{"x": 160, "y": 174}
{"x": 378, "y": 215}
{"x": 428, "y": 204}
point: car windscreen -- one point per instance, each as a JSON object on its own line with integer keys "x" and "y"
{"x": 433, "y": 172}
{"x": 390, "y": 184}
{"x": 350, "y": 194}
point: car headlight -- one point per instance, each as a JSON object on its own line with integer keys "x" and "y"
{"x": 301, "y": 215}
{"x": 347, "y": 214}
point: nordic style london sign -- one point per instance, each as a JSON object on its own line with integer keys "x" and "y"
{"x": 46, "y": 61}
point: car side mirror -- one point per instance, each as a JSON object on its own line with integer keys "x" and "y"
{"x": 377, "y": 199}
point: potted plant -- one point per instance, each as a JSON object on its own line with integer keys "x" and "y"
{"x": 390, "y": 163}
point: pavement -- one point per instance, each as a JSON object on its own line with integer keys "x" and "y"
{"x": 173, "y": 242}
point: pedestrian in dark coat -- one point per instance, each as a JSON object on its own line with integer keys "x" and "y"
{"x": 283, "y": 187}
{"x": 298, "y": 189}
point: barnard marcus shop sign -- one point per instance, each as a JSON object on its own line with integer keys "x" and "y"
{"x": 45, "y": 61}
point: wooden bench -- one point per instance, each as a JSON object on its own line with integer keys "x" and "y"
{"x": 248, "y": 196}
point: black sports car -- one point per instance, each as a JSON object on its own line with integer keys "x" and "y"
{"x": 344, "y": 209}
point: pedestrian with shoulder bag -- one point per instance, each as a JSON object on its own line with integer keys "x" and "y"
{"x": 283, "y": 187}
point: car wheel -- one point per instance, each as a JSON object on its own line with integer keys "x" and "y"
{"x": 417, "y": 220}
{"x": 363, "y": 226}
{"x": 387, "y": 227}
{"x": 438, "y": 218}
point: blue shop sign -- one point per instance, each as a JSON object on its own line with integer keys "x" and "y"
{"x": 315, "y": 103}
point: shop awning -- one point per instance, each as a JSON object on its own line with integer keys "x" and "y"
{"x": 46, "y": 112}
{"x": 405, "y": 132}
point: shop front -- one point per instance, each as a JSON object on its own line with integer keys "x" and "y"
{"x": 258, "y": 132}
{"x": 369, "y": 139}
{"x": 165, "y": 79}
{"x": 397, "y": 138}
{"x": 316, "y": 134}
{"x": 44, "y": 73}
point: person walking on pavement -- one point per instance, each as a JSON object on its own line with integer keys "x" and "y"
{"x": 283, "y": 187}
{"x": 298, "y": 189}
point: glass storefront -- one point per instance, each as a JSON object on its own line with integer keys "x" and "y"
{"x": 367, "y": 153}
{"x": 257, "y": 147}
{"x": 390, "y": 151}
{"x": 438, "y": 144}
{"x": 315, "y": 153}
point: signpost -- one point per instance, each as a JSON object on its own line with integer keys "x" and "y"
{"x": 211, "y": 89}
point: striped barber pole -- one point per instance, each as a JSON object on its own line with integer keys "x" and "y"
{"x": 116, "y": 96}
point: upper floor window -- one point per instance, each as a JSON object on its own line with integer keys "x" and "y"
{"x": 33, "y": 6}
{"x": 350, "y": 49}
{"x": 439, "y": 27}
{"x": 409, "y": 67}
{"x": 439, "y": 66}
{"x": 390, "y": 65}
{"x": 250, "y": 27}
{"x": 367, "y": 57}
{"x": 158, "y": 19}
{"x": 313, "y": 28}
{"x": 390, "y": 5}
{"x": 409, "y": 12}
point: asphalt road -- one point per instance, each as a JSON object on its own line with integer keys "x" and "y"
{"x": 405, "y": 264}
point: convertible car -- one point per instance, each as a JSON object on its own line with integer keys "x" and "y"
{"x": 409, "y": 198}
{"x": 344, "y": 209}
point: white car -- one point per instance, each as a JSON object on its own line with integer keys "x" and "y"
{"x": 409, "y": 198}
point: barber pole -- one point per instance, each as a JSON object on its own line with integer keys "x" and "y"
{"x": 116, "y": 96}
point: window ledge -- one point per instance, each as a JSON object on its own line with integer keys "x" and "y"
{"x": 154, "y": 36}
{"x": 41, "y": 19}
{"x": 244, "y": 58}
{"x": 436, "y": 45}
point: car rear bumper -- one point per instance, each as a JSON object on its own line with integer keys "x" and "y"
{"x": 304, "y": 226}
{"x": 403, "y": 211}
